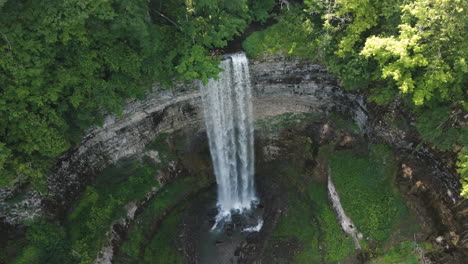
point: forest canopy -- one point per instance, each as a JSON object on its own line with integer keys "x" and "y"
{"x": 409, "y": 51}
{"x": 66, "y": 63}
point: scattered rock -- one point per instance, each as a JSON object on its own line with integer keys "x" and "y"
{"x": 153, "y": 155}
{"x": 131, "y": 208}
{"x": 347, "y": 142}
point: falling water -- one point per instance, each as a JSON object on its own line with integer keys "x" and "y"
{"x": 228, "y": 117}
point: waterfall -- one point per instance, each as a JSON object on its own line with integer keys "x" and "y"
{"x": 229, "y": 123}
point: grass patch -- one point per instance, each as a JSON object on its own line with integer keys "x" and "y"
{"x": 137, "y": 236}
{"x": 364, "y": 180}
{"x": 311, "y": 220}
{"x": 336, "y": 244}
{"x": 162, "y": 248}
{"x": 406, "y": 252}
{"x": 298, "y": 223}
{"x": 365, "y": 187}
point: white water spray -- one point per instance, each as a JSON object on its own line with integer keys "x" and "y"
{"x": 227, "y": 104}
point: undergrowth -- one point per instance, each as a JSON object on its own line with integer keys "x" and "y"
{"x": 310, "y": 219}
{"x": 139, "y": 234}
{"x": 104, "y": 202}
{"x": 284, "y": 37}
{"x": 85, "y": 228}
{"x": 407, "y": 252}
{"x": 162, "y": 247}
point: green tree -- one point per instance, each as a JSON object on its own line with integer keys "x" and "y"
{"x": 428, "y": 57}
{"x": 462, "y": 165}
{"x": 48, "y": 244}
{"x": 64, "y": 64}
{"x": 416, "y": 49}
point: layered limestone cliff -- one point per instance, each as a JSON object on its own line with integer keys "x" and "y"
{"x": 280, "y": 86}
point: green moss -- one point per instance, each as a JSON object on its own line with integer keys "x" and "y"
{"x": 347, "y": 124}
{"x": 364, "y": 180}
{"x": 401, "y": 122}
{"x": 298, "y": 223}
{"x": 18, "y": 197}
{"x": 272, "y": 125}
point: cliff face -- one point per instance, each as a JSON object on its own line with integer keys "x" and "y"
{"x": 280, "y": 86}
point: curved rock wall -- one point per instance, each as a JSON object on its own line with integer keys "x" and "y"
{"x": 280, "y": 86}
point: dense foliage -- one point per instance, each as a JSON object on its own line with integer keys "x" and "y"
{"x": 66, "y": 63}
{"x": 63, "y": 69}
{"x": 413, "y": 51}
{"x": 284, "y": 37}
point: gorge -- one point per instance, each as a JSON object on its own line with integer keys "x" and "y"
{"x": 220, "y": 131}
{"x": 290, "y": 97}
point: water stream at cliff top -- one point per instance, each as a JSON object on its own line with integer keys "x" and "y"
{"x": 227, "y": 104}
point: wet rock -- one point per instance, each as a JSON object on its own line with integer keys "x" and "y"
{"x": 237, "y": 219}
{"x": 228, "y": 229}
{"x": 211, "y": 222}
{"x": 252, "y": 238}
{"x": 243, "y": 244}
